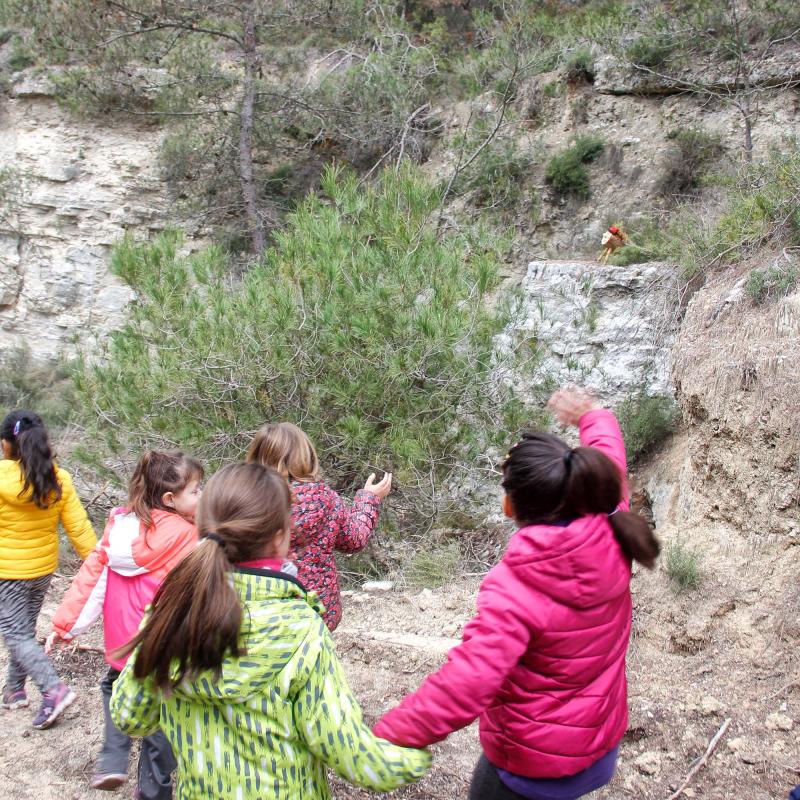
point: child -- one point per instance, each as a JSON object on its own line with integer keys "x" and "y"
{"x": 236, "y": 665}
{"x": 543, "y": 662}
{"x": 322, "y": 522}
{"x": 140, "y": 545}
{"x": 34, "y": 495}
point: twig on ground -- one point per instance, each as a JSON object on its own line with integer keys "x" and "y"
{"x": 795, "y": 684}
{"x": 703, "y": 760}
{"x": 87, "y": 648}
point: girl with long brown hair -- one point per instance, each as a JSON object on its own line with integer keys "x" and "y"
{"x": 323, "y": 522}
{"x": 140, "y": 545}
{"x": 236, "y": 666}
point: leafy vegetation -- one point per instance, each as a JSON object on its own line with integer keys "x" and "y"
{"x": 566, "y": 171}
{"x": 771, "y": 282}
{"x": 646, "y": 420}
{"x": 363, "y": 324}
{"x": 497, "y": 177}
{"x": 760, "y": 213}
{"x": 687, "y": 161}
{"x": 683, "y": 566}
{"x": 44, "y": 387}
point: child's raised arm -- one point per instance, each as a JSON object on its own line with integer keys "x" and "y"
{"x": 598, "y": 426}
{"x": 355, "y": 525}
{"x": 329, "y": 721}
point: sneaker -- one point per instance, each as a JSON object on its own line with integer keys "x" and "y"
{"x": 59, "y": 698}
{"x": 109, "y": 781}
{"x": 15, "y": 700}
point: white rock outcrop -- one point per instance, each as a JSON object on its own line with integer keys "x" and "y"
{"x": 607, "y": 327}
{"x": 68, "y": 191}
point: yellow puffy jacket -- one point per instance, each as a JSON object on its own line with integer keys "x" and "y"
{"x": 29, "y": 535}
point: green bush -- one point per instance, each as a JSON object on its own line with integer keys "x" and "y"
{"x": 363, "y": 324}
{"x": 579, "y": 66}
{"x": 42, "y": 386}
{"x": 645, "y": 421}
{"x": 650, "y": 50}
{"x": 566, "y": 171}
{"x": 434, "y": 566}
{"x": 772, "y": 282}
{"x": 686, "y": 161}
{"x": 497, "y": 176}
{"x": 683, "y": 566}
{"x": 553, "y": 89}
{"x": 21, "y": 56}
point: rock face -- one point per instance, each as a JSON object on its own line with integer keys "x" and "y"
{"x": 614, "y": 76}
{"x": 736, "y": 375}
{"x": 70, "y": 190}
{"x": 607, "y": 327}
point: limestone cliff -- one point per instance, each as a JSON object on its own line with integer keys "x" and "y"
{"x": 71, "y": 189}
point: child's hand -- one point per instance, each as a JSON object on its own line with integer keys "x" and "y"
{"x": 53, "y": 640}
{"x": 570, "y": 403}
{"x": 379, "y": 489}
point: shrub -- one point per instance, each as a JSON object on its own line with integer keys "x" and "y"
{"x": 566, "y": 171}
{"x": 363, "y": 324}
{"x": 579, "y": 66}
{"x": 686, "y": 161}
{"x": 650, "y": 50}
{"x": 44, "y": 387}
{"x": 645, "y": 421}
{"x": 553, "y": 89}
{"x": 772, "y": 282}
{"x": 434, "y": 566}
{"x": 497, "y": 176}
{"x": 21, "y": 56}
{"x": 682, "y": 565}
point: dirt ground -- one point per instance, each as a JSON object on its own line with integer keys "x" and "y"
{"x": 722, "y": 651}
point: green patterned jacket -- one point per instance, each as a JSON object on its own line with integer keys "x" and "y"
{"x": 275, "y": 717}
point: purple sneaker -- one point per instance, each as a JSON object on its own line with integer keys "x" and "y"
{"x": 14, "y": 700}
{"x": 59, "y": 698}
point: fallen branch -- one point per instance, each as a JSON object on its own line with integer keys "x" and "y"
{"x": 87, "y": 648}
{"x": 701, "y": 762}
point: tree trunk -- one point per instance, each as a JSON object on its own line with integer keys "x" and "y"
{"x": 257, "y": 237}
{"x": 748, "y": 136}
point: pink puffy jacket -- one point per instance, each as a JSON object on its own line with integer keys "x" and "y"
{"x": 543, "y": 662}
{"x": 121, "y": 575}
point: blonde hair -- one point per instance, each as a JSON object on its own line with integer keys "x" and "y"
{"x": 286, "y": 449}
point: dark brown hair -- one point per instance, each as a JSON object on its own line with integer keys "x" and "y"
{"x": 156, "y": 474}
{"x": 548, "y": 481}
{"x": 285, "y": 448}
{"x": 30, "y": 445}
{"x": 196, "y": 613}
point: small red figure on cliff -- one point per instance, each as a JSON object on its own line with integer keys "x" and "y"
{"x": 613, "y": 239}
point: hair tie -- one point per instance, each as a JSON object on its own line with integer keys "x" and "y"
{"x": 568, "y": 458}
{"x": 217, "y": 539}
{"x": 16, "y": 427}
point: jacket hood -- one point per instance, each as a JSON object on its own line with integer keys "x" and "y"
{"x": 580, "y": 565}
{"x": 272, "y": 638}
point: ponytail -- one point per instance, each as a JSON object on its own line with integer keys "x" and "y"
{"x": 194, "y": 622}
{"x": 196, "y": 614}
{"x": 548, "y": 481}
{"x": 635, "y": 537}
{"x": 156, "y": 474}
{"x": 30, "y": 445}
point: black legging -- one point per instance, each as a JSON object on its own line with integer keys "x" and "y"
{"x": 486, "y": 784}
